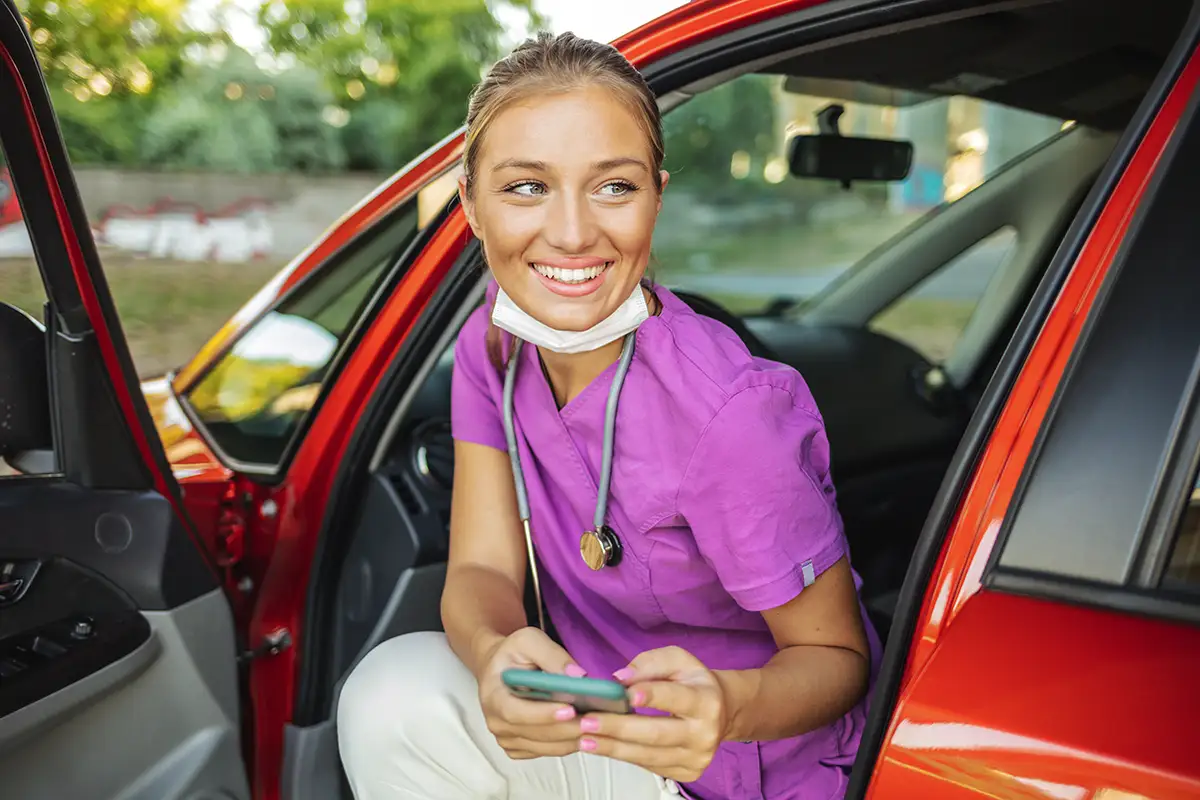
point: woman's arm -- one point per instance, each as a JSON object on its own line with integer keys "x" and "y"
{"x": 819, "y": 673}
{"x": 482, "y": 602}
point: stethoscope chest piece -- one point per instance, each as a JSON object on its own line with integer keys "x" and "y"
{"x": 600, "y": 548}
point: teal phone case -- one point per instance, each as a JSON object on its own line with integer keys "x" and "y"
{"x": 585, "y": 694}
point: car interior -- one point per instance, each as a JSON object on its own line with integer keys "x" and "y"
{"x": 894, "y": 418}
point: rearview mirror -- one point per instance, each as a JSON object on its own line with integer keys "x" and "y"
{"x": 849, "y": 158}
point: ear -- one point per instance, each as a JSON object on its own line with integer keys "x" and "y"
{"x": 468, "y": 204}
{"x": 663, "y": 178}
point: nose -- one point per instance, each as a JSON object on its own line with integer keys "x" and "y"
{"x": 571, "y": 225}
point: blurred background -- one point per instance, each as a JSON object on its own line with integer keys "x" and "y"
{"x": 214, "y": 141}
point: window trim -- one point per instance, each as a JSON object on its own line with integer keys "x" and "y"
{"x": 1139, "y": 277}
{"x": 270, "y": 473}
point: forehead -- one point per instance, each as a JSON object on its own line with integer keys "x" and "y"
{"x": 581, "y": 125}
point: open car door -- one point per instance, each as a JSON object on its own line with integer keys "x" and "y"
{"x": 118, "y": 670}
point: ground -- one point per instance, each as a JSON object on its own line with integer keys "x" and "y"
{"x": 168, "y": 308}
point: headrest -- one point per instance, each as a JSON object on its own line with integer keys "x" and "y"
{"x": 24, "y": 384}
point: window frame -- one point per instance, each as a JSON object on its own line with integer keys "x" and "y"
{"x": 402, "y": 258}
{"x": 1105, "y": 429}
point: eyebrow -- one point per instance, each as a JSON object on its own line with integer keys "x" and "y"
{"x": 541, "y": 166}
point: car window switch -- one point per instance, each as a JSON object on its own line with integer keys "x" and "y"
{"x": 10, "y": 667}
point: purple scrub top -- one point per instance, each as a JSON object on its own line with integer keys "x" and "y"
{"x": 721, "y": 496}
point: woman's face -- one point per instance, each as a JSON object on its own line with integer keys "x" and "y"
{"x": 565, "y": 202}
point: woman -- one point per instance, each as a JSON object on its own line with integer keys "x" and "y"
{"x": 716, "y": 585}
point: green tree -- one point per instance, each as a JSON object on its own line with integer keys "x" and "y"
{"x": 233, "y": 116}
{"x": 703, "y": 136}
{"x": 401, "y": 69}
{"x": 104, "y": 61}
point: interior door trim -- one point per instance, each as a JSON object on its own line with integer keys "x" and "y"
{"x": 25, "y": 722}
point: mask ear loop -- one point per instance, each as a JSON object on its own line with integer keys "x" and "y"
{"x": 519, "y": 476}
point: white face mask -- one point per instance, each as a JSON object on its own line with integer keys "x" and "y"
{"x": 630, "y": 314}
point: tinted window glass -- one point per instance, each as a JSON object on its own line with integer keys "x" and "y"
{"x": 1183, "y": 567}
{"x": 258, "y": 394}
{"x": 932, "y": 316}
{"x": 20, "y": 287}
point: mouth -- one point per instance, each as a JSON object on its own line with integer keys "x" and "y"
{"x": 571, "y": 277}
{"x": 572, "y": 281}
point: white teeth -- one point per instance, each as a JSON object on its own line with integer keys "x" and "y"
{"x": 569, "y": 275}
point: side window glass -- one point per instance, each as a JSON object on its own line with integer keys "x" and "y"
{"x": 26, "y": 446}
{"x": 1183, "y": 566}
{"x": 931, "y": 317}
{"x": 255, "y": 398}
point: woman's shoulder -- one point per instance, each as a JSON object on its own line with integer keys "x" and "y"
{"x": 708, "y": 365}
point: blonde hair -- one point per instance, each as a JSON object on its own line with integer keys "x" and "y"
{"x": 547, "y": 64}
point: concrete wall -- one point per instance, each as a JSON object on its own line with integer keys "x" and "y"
{"x": 295, "y": 208}
{"x": 198, "y": 216}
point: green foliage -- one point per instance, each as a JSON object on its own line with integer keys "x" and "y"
{"x": 236, "y": 117}
{"x": 402, "y": 68}
{"x": 702, "y": 136}
{"x": 367, "y": 85}
{"x": 110, "y": 48}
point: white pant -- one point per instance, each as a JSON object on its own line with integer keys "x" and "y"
{"x": 410, "y": 726}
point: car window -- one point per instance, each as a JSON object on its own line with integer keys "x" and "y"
{"x": 1183, "y": 565}
{"x": 20, "y": 286}
{"x": 739, "y": 229}
{"x": 931, "y": 317}
{"x": 255, "y": 397}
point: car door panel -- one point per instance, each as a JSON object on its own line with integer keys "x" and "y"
{"x": 1087, "y": 693}
{"x": 118, "y": 653}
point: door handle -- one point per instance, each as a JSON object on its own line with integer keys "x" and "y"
{"x": 10, "y": 589}
{"x": 15, "y": 579}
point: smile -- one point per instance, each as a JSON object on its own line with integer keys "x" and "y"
{"x": 571, "y": 276}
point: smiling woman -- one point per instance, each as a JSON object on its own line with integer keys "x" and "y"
{"x": 713, "y": 584}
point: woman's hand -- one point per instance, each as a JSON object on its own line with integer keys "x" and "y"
{"x": 528, "y": 728}
{"x": 680, "y": 746}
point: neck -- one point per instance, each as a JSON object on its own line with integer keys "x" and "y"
{"x": 570, "y": 373}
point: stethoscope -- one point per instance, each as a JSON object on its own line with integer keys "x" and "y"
{"x": 599, "y": 547}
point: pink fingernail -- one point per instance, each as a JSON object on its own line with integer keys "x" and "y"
{"x": 574, "y": 671}
{"x": 623, "y": 674}
{"x": 565, "y": 713}
{"x": 589, "y": 725}
{"x": 587, "y": 745}
{"x": 639, "y": 698}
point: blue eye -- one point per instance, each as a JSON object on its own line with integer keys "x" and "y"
{"x": 527, "y": 189}
{"x": 617, "y": 189}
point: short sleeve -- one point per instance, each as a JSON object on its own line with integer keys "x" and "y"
{"x": 759, "y": 500}
{"x": 475, "y": 387}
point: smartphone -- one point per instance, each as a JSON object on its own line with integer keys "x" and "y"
{"x": 585, "y": 694}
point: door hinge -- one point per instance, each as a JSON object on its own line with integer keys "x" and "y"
{"x": 272, "y": 644}
{"x": 231, "y": 528}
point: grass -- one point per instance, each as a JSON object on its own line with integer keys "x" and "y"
{"x": 168, "y": 309}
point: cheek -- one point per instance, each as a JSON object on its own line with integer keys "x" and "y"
{"x": 508, "y": 231}
{"x": 631, "y": 229}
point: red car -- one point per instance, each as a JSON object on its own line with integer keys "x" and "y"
{"x": 188, "y": 568}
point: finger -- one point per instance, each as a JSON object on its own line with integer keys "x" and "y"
{"x": 547, "y": 734}
{"x": 654, "y": 759}
{"x": 532, "y": 648}
{"x": 637, "y": 729}
{"x": 677, "y": 699}
{"x": 520, "y": 748}
{"x": 519, "y": 711}
{"x": 663, "y": 663}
